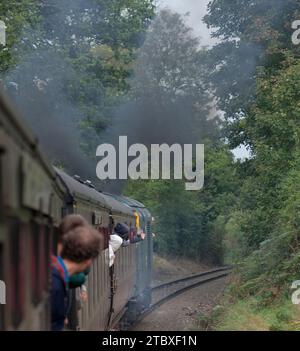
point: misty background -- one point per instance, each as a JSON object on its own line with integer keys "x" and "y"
{"x": 196, "y": 10}
{"x": 62, "y": 88}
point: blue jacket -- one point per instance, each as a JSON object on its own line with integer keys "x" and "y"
{"x": 59, "y": 300}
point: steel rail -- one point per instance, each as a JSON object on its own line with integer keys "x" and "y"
{"x": 208, "y": 276}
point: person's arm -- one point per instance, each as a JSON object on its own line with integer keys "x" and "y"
{"x": 138, "y": 238}
{"x": 135, "y": 239}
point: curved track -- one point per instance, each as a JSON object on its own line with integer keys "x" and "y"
{"x": 164, "y": 292}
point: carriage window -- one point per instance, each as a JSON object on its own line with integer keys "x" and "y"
{"x": 55, "y": 239}
{"x": 111, "y": 224}
{"x": 48, "y": 252}
{"x": 45, "y": 255}
{"x": 35, "y": 269}
{"x": 93, "y": 218}
{"x": 17, "y": 274}
{"x": 105, "y": 232}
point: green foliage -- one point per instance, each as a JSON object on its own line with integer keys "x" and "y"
{"x": 191, "y": 223}
{"x": 82, "y": 51}
{"x": 252, "y": 34}
{"x": 272, "y": 226}
{"x": 168, "y": 85}
{"x": 17, "y": 16}
{"x": 263, "y": 113}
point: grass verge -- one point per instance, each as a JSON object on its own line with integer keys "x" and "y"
{"x": 249, "y": 314}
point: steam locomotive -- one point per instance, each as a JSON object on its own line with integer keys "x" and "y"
{"x": 34, "y": 197}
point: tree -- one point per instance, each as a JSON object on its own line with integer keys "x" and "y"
{"x": 16, "y": 15}
{"x": 168, "y": 86}
{"x": 192, "y": 223}
{"x": 172, "y": 104}
{"x": 77, "y": 53}
{"x": 253, "y": 35}
{"x": 262, "y": 111}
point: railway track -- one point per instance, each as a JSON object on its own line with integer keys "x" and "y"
{"x": 164, "y": 292}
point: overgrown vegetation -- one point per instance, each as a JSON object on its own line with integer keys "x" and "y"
{"x": 267, "y": 226}
{"x": 249, "y": 315}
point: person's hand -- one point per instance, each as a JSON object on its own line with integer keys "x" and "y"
{"x": 143, "y": 236}
{"x": 126, "y": 243}
{"x": 84, "y": 296}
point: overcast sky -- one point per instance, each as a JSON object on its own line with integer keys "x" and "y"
{"x": 197, "y": 9}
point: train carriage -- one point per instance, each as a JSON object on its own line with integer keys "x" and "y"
{"x": 30, "y": 211}
{"x": 123, "y": 272}
{"x": 34, "y": 197}
{"x": 115, "y": 285}
{"x": 141, "y": 297}
{"x": 86, "y": 201}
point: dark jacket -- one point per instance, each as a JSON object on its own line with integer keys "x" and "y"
{"x": 59, "y": 303}
{"x": 122, "y": 230}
